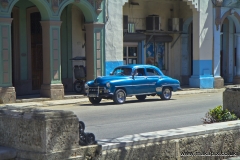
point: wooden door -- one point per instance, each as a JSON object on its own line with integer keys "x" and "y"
{"x": 36, "y": 51}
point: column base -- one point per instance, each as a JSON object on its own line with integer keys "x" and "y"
{"x": 236, "y": 80}
{"x": 203, "y": 82}
{"x": 53, "y": 91}
{"x": 218, "y": 82}
{"x": 7, "y": 95}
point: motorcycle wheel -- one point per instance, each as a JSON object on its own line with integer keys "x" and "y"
{"x": 78, "y": 86}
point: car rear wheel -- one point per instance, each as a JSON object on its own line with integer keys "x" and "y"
{"x": 141, "y": 97}
{"x": 166, "y": 93}
{"x": 95, "y": 100}
{"x": 119, "y": 97}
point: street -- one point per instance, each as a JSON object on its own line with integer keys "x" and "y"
{"x": 108, "y": 120}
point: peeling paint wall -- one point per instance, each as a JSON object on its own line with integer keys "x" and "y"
{"x": 113, "y": 34}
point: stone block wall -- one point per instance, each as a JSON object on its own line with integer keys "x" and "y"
{"x": 231, "y": 100}
{"x": 211, "y": 141}
{"x": 53, "y": 135}
{"x": 42, "y": 134}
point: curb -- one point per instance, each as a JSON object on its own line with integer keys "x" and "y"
{"x": 74, "y": 99}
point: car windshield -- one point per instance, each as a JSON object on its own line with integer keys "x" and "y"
{"x": 122, "y": 71}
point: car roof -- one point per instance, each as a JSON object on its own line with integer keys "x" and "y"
{"x": 136, "y": 65}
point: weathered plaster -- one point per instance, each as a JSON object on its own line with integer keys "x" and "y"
{"x": 202, "y": 46}
{"x": 78, "y": 39}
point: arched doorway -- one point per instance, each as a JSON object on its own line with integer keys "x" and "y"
{"x": 27, "y": 54}
{"x": 73, "y": 43}
{"x": 228, "y": 50}
{"x": 36, "y": 50}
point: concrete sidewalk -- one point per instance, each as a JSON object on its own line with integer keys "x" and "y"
{"x": 73, "y": 98}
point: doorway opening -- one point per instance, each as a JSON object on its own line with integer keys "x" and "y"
{"x": 36, "y": 51}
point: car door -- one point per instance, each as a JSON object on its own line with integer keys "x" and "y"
{"x": 153, "y": 77}
{"x": 140, "y": 81}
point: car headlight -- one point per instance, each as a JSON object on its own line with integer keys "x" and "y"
{"x": 108, "y": 85}
{"x": 86, "y": 85}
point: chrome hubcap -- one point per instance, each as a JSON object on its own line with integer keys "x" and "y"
{"x": 167, "y": 93}
{"x": 120, "y": 97}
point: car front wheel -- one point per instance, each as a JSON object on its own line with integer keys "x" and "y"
{"x": 120, "y": 96}
{"x": 141, "y": 97}
{"x": 95, "y": 100}
{"x": 166, "y": 93}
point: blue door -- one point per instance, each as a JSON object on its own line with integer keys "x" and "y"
{"x": 153, "y": 78}
{"x": 140, "y": 81}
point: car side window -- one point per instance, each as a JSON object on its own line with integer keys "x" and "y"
{"x": 122, "y": 71}
{"x": 140, "y": 72}
{"x": 152, "y": 72}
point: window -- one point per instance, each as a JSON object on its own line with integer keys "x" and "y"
{"x": 122, "y": 71}
{"x": 152, "y": 72}
{"x": 130, "y": 54}
{"x": 140, "y": 72}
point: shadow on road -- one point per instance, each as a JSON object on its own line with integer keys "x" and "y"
{"x": 104, "y": 103}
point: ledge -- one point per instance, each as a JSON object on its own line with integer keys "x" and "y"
{"x": 150, "y": 137}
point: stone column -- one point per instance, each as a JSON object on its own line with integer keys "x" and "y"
{"x": 202, "y": 46}
{"x": 185, "y": 59}
{"x": 7, "y": 91}
{"x": 94, "y": 50}
{"x": 218, "y": 80}
{"x": 52, "y": 86}
{"x": 236, "y": 79}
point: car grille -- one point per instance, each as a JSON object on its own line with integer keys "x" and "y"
{"x": 96, "y": 90}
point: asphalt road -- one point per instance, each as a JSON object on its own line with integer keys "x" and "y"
{"x": 108, "y": 120}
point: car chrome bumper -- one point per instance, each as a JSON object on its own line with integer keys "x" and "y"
{"x": 98, "y": 92}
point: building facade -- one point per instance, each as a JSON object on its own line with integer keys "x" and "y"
{"x": 175, "y": 35}
{"x": 195, "y": 41}
{"x": 226, "y": 54}
{"x": 38, "y": 39}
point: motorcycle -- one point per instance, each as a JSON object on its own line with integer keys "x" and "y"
{"x": 80, "y": 75}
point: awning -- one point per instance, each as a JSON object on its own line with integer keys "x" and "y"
{"x": 134, "y": 37}
{"x": 137, "y": 37}
{"x": 160, "y": 38}
{"x": 78, "y": 58}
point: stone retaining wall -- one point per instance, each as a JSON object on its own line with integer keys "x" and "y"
{"x": 42, "y": 134}
{"x": 211, "y": 141}
{"x": 231, "y": 99}
{"x": 53, "y": 135}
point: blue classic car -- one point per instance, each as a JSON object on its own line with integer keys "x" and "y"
{"x": 131, "y": 80}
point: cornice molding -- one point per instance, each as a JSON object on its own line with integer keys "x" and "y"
{"x": 97, "y": 5}
{"x": 4, "y": 3}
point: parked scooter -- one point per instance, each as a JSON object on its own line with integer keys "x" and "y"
{"x": 80, "y": 76}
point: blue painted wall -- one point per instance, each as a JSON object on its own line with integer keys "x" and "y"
{"x": 110, "y": 65}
